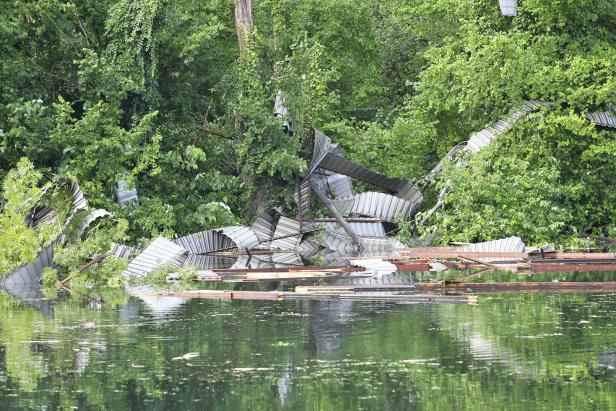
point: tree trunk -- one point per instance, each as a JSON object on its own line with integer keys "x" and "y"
{"x": 243, "y": 22}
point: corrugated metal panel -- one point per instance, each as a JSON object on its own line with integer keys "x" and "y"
{"x": 376, "y": 266}
{"x": 159, "y": 253}
{"x": 367, "y": 229}
{"x": 389, "y": 247}
{"x": 287, "y": 259}
{"x": 123, "y": 251}
{"x": 340, "y": 185}
{"x": 338, "y": 242}
{"x": 287, "y": 235}
{"x": 410, "y": 192}
{"x": 308, "y": 248}
{"x": 484, "y": 137}
{"x": 603, "y": 119}
{"x": 322, "y": 146}
{"x": 302, "y": 198}
{"x": 504, "y": 245}
{"x": 455, "y": 150}
{"x": 341, "y": 165}
{"x": 380, "y": 205}
{"x": 205, "y": 242}
{"x": 243, "y": 237}
{"x": 77, "y": 233}
{"x": 30, "y": 273}
{"x": 264, "y": 226}
{"x": 46, "y": 215}
{"x": 244, "y": 261}
{"x": 126, "y": 194}
{"x": 208, "y": 262}
{"x": 279, "y": 108}
{"x": 509, "y": 7}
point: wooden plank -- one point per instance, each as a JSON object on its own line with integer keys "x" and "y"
{"x": 537, "y": 268}
{"x": 604, "y": 286}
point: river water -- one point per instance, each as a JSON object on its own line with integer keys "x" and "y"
{"x": 105, "y": 350}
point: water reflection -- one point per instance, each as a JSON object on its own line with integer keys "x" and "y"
{"x": 544, "y": 351}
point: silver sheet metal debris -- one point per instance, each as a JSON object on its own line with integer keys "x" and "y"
{"x": 508, "y": 7}
{"x": 287, "y": 236}
{"x": 205, "y": 242}
{"x": 161, "y": 252}
{"x": 30, "y": 273}
{"x": 373, "y": 204}
{"x": 602, "y": 119}
{"x": 125, "y": 193}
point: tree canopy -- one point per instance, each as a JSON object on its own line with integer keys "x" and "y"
{"x": 157, "y": 93}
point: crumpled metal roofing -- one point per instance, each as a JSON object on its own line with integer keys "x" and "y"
{"x": 160, "y": 252}
{"x": 264, "y": 226}
{"x": 362, "y": 229}
{"x": 307, "y": 248}
{"x": 287, "y": 259}
{"x": 31, "y": 273}
{"x": 373, "y": 204}
{"x": 84, "y": 224}
{"x": 125, "y": 194}
{"x": 208, "y": 262}
{"x": 123, "y": 251}
{"x": 243, "y": 237}
{"x": 341, "y": 245}
{"x": 603, "y": 119}
{"x": 205, "y": 242}
{"x": 483, "y": 138}
{"x": 504, "y": 245}
{"x": 509, "y": 7}
{"x": 288, "y": 234}
{"x": 340, "y": 185}
{"x": 46, "y": 215}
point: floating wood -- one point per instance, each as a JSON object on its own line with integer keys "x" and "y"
{"x": 278, "y": 295}
{"x": 509, "y": 287}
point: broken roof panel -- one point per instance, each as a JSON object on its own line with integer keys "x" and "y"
{"x": 76, "y": 233}
{"x": 362, "y": 229}
{"x": 126, "y": 194}
{"x": 340, "y": 185}
{"x": 243, "y": 237}
{"x": 380, "y": 205}
{"x": 159, "y": 253}
{"x": 31, "y": 273}
{"x": 287, "y": 235}
{"x": 208, "y": 262}
{"x": 509, "y": 7}
{"x": 302, "y": 198}
{"x": 205, "y": 242}
{"x": 504, "y": 245}
{"x": 603, "y": 119}
{"x": 308, "y": 248}
{"x": 123, "y": 251}
{"x": 264, "y": 226}
{"x": 341, "y": 165}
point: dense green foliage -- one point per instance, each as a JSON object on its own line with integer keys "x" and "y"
{"x": 119, "y": 89}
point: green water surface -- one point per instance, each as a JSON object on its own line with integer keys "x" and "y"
{"x": 515, "y": 351}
